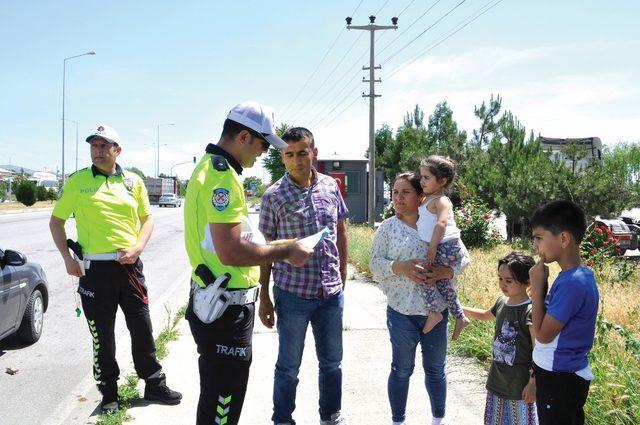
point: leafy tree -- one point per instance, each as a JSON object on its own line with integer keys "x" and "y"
{"x": 444, "y": 136}
{"x": 272, "y": 161}
{"x": 182, "y": 187}
{"x": 137, "y": 171}
{"x": 25, "y": 192}
{"x": 486, "y": 115}
{"x": 251, "y": 181}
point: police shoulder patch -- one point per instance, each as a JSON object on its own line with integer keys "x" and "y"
{"x": 220, "y": 198}
{"x": 219, "y": 163}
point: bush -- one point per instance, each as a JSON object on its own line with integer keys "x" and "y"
{"x": 3, "y": 190}
{"x": 598, "y": 247}
{"x": 26, "y": 192}
{"x": 41, "y": 193}
{"x": 52, "y": 195}
{"x": 474, "y": 219}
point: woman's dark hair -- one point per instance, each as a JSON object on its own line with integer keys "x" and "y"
{"x": 519, "y": 265}
{"x": 412, "y": 178}
{"x": 441, "y": 168}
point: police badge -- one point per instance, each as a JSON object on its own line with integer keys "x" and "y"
{"x": 128, "y": 183}
{"x": 220, "y": 199}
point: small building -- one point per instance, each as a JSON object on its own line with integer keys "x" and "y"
{"x": 352, "y": 176}
{"x": 592, "y": 147}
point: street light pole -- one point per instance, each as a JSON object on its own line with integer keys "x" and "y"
{"x": 76, "y": 123}
{"x": 372, "y": 28}
{"x": 64, "y": 78}
{"x": 158, "y": 150}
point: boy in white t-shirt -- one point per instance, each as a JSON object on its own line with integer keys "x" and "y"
{"x": 564, "y": 319}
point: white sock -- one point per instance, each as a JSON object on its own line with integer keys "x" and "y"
{"x": 437, "y": 421}
{"x": 397, "y": 423}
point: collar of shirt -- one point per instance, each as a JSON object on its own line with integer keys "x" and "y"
{"x": 217, "y": 150}
{"x": 97, "y": 172}
{"x": 314, "y": 180}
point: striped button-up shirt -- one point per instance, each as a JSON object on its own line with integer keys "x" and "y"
{"x": 292, "y": 211}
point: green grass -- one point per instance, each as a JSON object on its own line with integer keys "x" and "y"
{"x": 360, "y": 238}
{"x": 614, "y": 396}
{"x": 128, "y": 392}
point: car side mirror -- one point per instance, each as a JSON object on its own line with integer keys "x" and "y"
{"x": 13, "y": 258}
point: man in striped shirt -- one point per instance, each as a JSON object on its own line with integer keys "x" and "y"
{"x": 300, "y": 204}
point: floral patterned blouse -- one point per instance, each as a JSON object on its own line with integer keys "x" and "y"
{"x": 395, "y": 240}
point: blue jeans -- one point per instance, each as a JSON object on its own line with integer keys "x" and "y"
{"x": 406, "y": 332}
{"x": 293, "y": 315}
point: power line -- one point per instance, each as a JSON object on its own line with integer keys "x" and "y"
{"x": 381, "y": 7}
{"x": 461, "y": 25}
{"x": 327, "y": 77}
{"x": 340, "y": 62}
{"x": 320, "y": 63}
{"x": 343, "y": 111}
{"x": 409, "y": 27}
{"x": 423, "y": 32}
{"x": 348, "y": 72}
{"x": 337, "y": 105}
{"x": 405, "y": 8}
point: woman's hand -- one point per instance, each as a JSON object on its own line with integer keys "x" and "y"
{"x": 434, "y": 273}
{"x": 410, "y": 268}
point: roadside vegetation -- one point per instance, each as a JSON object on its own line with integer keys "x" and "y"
{"x": 128, "y": 392}
{"x": 614, "y": 397}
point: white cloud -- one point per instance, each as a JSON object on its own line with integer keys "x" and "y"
{"x": 572, "y": 101}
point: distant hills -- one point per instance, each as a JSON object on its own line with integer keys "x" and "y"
{"x": 18, "y": 169}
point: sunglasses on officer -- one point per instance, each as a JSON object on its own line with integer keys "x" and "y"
{"x": 265, "y": 144}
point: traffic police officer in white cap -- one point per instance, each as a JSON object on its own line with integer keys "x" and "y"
{"x": 225, "y": 249}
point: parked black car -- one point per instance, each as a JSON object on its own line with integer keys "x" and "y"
{"x": 23, "y": 296}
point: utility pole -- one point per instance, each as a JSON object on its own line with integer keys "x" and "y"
{"x": 372, "y": 28}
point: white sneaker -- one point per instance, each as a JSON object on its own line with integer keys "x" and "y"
{"x": 336, "y": 419}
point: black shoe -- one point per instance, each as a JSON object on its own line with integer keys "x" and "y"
{"x": 109, "y": 390}
{"x": 157, "y": 390}
{"x": 109, "y": 405}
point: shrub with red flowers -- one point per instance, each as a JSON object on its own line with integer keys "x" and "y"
{"x": 598, "y": 248}
{"x": 475, "y": 221}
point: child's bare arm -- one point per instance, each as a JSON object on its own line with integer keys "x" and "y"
{"x": 544, "y": 327}
{"x": 529, "y": 391}
{"x": 442, "y": 206}
{"x": 478, "y": 313}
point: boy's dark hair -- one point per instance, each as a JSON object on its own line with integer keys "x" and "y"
{"x": 440, "y": 167}
{"x": 412, "y": 178}
{"x": 296, "y": 134}
{"x": 561, "y": 216}
{"x": 519, "y": 264}
{"x": 231, "y": 128}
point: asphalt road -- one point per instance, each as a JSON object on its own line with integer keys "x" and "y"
{"x": 54, "y": 382}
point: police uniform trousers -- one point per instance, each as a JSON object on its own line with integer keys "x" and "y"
{"x": 224, "y": 347}
{"x": 105, "y": 286}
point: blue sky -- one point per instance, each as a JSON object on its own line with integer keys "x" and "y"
{"x": 565, "y": 68}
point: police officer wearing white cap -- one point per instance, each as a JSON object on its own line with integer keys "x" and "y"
{"x": 108, "y": 202}
{"x": 225, "y": 250}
